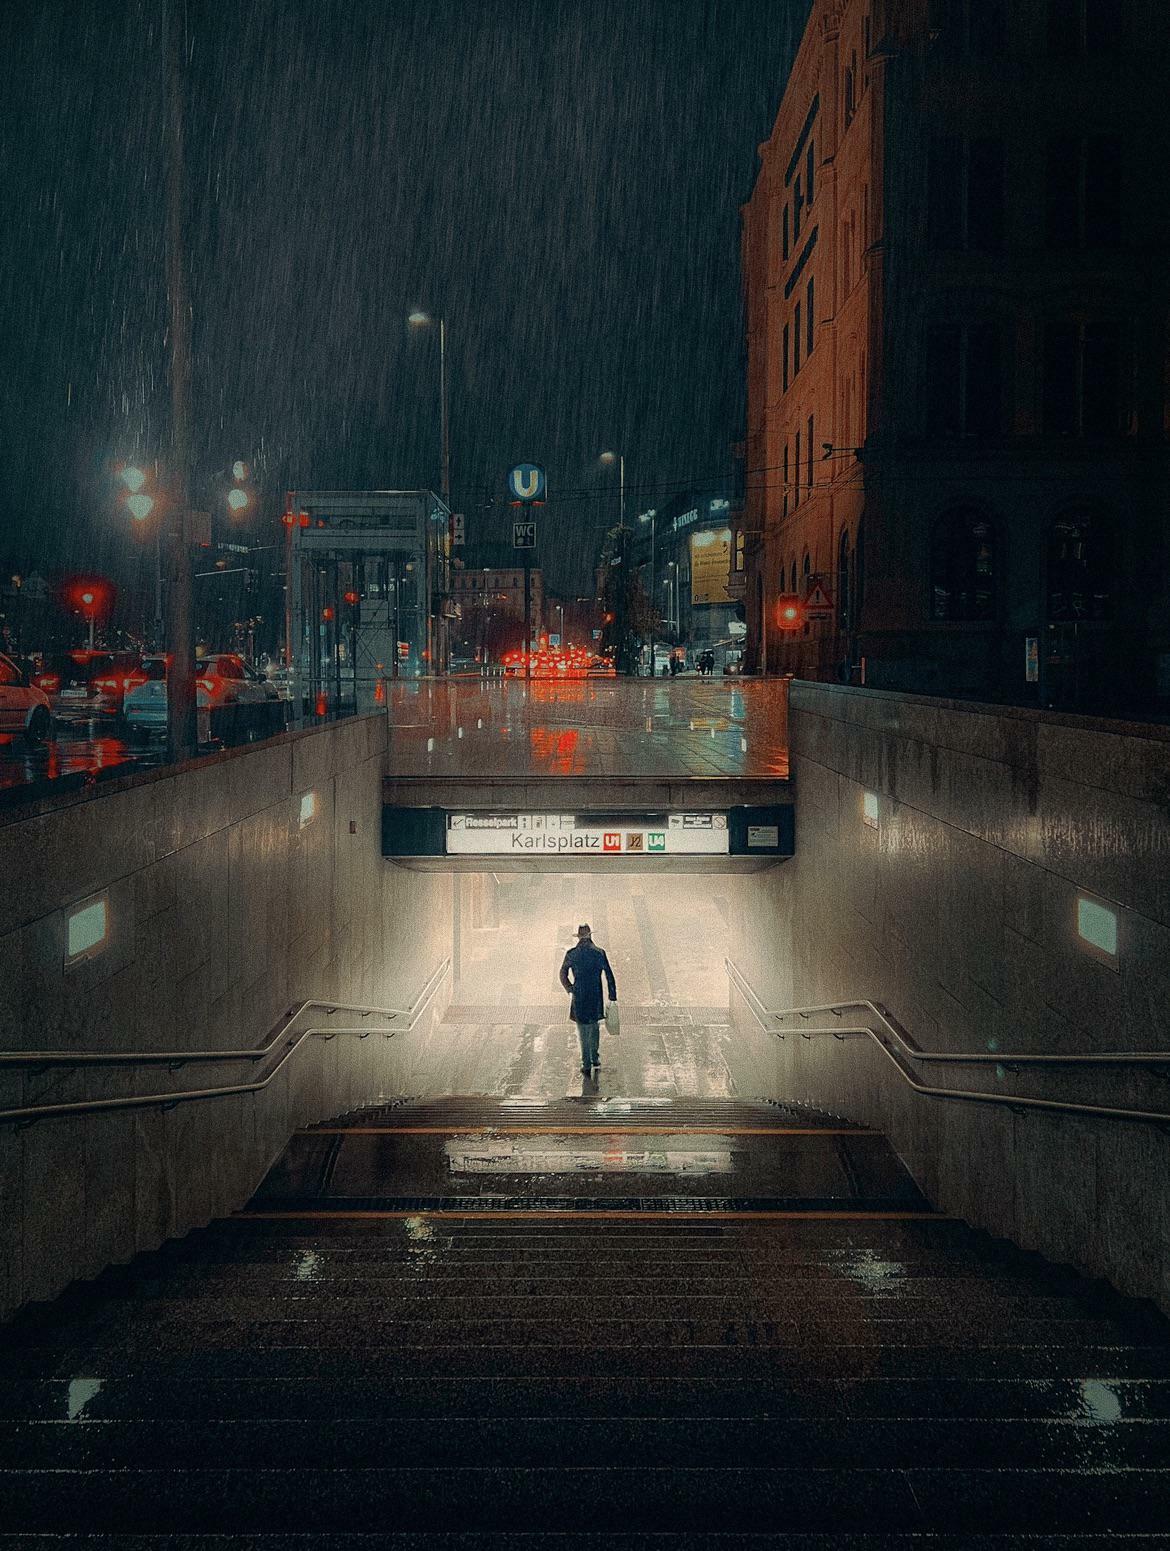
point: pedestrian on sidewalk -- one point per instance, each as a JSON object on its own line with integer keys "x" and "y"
{"x": 581, "y": 972}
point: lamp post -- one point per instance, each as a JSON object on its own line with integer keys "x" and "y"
{"x": 419, "y": 319}
{"x": 620, "y": 459}
{"x": 652, "y": 518}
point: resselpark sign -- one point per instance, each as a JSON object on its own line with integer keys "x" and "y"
{"x": 527, "y": 484}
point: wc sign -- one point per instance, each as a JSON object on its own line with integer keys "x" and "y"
{"x": 526, "y": 484}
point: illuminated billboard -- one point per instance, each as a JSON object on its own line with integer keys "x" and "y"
{"x": 711, "y": 566}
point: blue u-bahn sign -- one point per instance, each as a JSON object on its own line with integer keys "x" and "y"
{"x": 526, "y": 483}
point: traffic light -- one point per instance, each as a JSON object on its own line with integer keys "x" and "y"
{"x": 239, "y": 497}
{"x": 789, "y": 611}
{"x": 137, "y": 497}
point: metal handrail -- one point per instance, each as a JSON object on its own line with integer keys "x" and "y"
{"x": 32, "y": 1112}
{"x": 177, "y": 1058}
{"x": 907, "y": 1051}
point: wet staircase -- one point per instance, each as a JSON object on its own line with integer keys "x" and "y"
{"x": 450, "y": 1326}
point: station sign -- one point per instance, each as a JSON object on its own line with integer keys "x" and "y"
{"x": 526, "y": 484}
{"x": 515, "y": 838}
{"x": 574, "y": 834}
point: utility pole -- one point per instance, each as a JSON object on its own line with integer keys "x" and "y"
{"x": 181, "y": 721}
{"x": 528, "y": 614}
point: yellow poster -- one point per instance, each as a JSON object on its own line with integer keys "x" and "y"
{"x": 711, "y": 567}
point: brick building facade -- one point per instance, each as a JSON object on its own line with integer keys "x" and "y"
{"x": 957, "y": 314}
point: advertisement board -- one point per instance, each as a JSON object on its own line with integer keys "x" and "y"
{"x": 711, "y": 567}
{"x": 569, "y": 834}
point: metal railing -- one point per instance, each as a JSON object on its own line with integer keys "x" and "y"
{"x": 900, "y": 1050}
{"x": 287, "y": 1039}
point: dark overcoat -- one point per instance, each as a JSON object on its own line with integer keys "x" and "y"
{"x": 581, "y": 974}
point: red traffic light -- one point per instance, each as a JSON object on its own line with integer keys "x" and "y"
{"x": 87, "y": 594}
{"x": 352, "y": 597}
{"x": 789, "y": 613}
{"x": 327, "y": 612}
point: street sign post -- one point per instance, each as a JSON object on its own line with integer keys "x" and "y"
{"x": 458, "y": 529}
{"x": 524, "y": 538}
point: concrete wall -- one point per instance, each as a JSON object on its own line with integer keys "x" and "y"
{"x": 224, "y": 913}
{"x": 957, "y": 912}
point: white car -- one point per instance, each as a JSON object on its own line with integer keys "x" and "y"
{"x": 230, "y": 697}
{"x": 23, "y": 708}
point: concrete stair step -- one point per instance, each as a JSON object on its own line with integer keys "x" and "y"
{"x": 723, "y": 1294}
{"x": 633, "y": 1499}
{"x": 693, "y": 1442}
{"x": 183, "y": 1328}
{"x": 784, "y": 1397}
{"x": 843, "y": 1359}
{"x": 585, "y": 1540}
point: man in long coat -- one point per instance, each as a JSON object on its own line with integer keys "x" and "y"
{"x": 581, "y": 973}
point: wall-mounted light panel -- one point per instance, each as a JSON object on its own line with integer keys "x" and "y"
{"x": 869, "y": 809}
{"x": 1097, "y": 929}
{"x": 308, "y": 808}
{"x": 87, "y": 929}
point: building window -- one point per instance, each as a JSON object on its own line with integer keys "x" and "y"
{"x": 784, "y": 354}
{"x": 809, "y": 316}
{"x": 1079, "y": 576}
{"x": 965, "y": 198}
{"x": 792, "y": 585}
{"x": 1082, "y": 378}
{"x": 806, "y": 568}
{"x": 784, "y": 232}
{"x": 849, "y": 90}
{"x": 962, "y": 567}
{"x": 844, "y": 591}
{"x": 1080, "y": 27}
{"x": 796, "y": 339}
{"x": 810, "y": 173}
{"x": 785, "y": 479}
{"x": 977, "y": 27}
{"x": 859, "y": 571}
{"x": 1083, "y": 192}
{"x": 809, "y": 454}
{"x": 964, "y": 386}
{"x": 797, "y": 207}
{"x": 740, "y": 549}
{"x": 796, "y": 474}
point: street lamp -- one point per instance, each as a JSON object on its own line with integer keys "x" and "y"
{"x": 652, "y": 518}
{"x": 619, "y": 458}
{"x": 419, "y": 319}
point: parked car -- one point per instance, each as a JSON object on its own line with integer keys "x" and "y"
{"x": 84, "y": 685}
{"x": 23, "y": 706}
{"x": 232, "y": 699}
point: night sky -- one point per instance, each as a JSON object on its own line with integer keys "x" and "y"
{"x": 561, "y": 178}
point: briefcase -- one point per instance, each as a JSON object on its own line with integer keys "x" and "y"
{"x": 613, "y": 1020}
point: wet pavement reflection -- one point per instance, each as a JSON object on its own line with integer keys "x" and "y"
{"x": 601, "y": 727}
{"x": 76, "y": 757}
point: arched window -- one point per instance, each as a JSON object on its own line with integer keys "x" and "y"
{"x": 806, "y": 565}
{"x": 1079, "y": 572}
{"x": 962, "y": 567}
{"x": 844, "y": 580}
{"x": 859, "y": 571}
{"x": 792, "y": 587}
